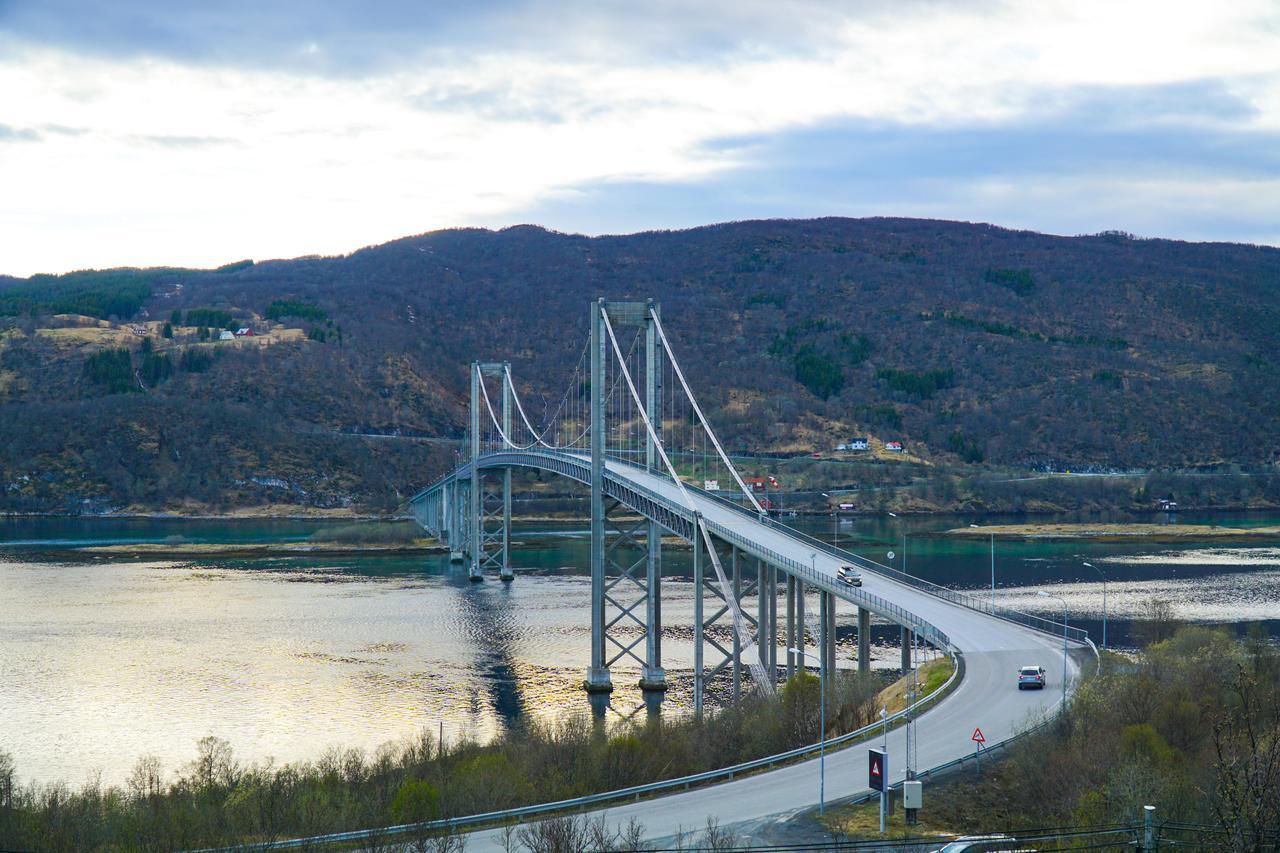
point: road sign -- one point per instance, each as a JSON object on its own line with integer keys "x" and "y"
{"x": 977, "y": 736}
{"x": 891, "y": 555}
{"x": 877, "y": 769}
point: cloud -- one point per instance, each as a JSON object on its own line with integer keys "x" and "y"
{"x": 1161, "y": 160}
{"x": 17, "y": 134}
{"x": 350, "y": 124}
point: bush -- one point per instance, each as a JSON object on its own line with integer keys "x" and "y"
{"x": 416, "y": 801}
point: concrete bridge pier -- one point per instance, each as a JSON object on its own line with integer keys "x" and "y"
{"x": 791, "y": 626}
{"x": 906, "y": 649}
{"x": 505, "y": 572}
{"x": 653, "y": 678}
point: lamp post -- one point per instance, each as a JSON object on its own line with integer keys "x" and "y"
{"x": 1104, "y": 601}
{"x": 1044, "y": 594}
{"x": 835, "y": 523}
{"x": 822, "y": 718}
{"x": 884, "y": 719}
{"x": 904, "y": 546}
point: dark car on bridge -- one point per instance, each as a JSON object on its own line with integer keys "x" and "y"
{"x": 1031, "y": 677}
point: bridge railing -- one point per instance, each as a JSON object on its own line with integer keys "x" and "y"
{"x": 887, "y": 608}
{"x": 924, "y": 629}
{"x": 973, "y": 602}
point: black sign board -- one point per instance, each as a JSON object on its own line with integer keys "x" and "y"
{"x": 877, "y": 769}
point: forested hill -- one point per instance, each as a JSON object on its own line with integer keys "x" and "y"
{"x": 970, "y": 343}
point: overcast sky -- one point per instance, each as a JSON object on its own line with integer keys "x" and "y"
{"x": 203, "y": 131}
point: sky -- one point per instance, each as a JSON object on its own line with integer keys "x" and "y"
{"x": 200, "y": 132}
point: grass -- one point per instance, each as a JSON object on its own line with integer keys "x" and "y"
{"x": 932, "y": 676}
{"x": 862, "y": 821}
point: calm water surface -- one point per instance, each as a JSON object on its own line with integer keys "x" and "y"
{"x": 103, "y": 661}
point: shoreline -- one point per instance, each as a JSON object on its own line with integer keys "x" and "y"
{"x": 1119, "y": 532}
{"x": 206, "y": 550}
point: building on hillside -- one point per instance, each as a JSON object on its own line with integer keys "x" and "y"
{"x": 893, "y": 446}
{"x": 858, "y": 444}
{"x": 140, "y": 331}
{"x": 760, "y": 484}
{"x": 226, "y": 335}
{"x": 244, "y": 332}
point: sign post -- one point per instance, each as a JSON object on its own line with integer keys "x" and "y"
{"x": 877, "y": 776}
{"x": 978, "y": 741}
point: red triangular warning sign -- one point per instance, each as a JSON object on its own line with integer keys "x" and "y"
{"x": 977, "y": 736}
{"x": 875, "y": 768}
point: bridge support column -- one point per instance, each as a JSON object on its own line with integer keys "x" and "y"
{"x": 477, "y": 495}
{"x": 764, "y": 625}
{"x": 598, "y": 680}
{"x": 864, "y": 640}
{"x": 736, "y": 580}
{"x": 802, "y": 623}
{"x": 791, "y": 625}
{"x": 828, "y": 651}
{"x": 654, "y": 677}
{"x": 699, "y": 569}
{"x": 773, "y": 622}
{"x": 505, "y": 572}
{"x": 906, "y": 649}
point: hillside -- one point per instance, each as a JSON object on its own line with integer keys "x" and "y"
{"x": 969, "y": 343}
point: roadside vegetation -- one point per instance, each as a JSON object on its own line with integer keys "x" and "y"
{"x": 217, "y": 800}
{"x": 1191, "y": 726}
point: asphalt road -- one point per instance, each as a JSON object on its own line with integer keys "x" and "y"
{"x": 987, "y": 697}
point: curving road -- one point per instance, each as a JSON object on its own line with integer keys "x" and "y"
{"x": 987, "y": 697}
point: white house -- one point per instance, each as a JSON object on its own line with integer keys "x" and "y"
{"x": 858, "y": 444}
{"x": 226, "y": 335}
{"x": 894, "y": 446}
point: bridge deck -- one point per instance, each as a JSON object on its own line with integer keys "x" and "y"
{"x": 993, "y": 649}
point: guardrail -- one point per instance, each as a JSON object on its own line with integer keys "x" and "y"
{"x": 635, "y": 792}
{"x": 973, "y": 602}
{"x": 882, "y": 606}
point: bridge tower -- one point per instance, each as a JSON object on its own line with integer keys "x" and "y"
{"x": 626, "y": 556}
{"x": 490, "y": 496}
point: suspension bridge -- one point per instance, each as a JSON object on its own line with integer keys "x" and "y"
{"x": 629, "y": 428}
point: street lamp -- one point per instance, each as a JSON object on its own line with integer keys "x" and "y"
{"x": 993, "y": 568}
{"x": 835, "y": 517}
{"x": 1044, "y": 594}
{"x": 884, "y": 786}
{"x": 1104, "y": 602}
{"x": 904, "y": 546}
{"x": 822, "y": 717}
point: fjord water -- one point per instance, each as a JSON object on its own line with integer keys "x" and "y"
{"x": 105, "y": 660}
